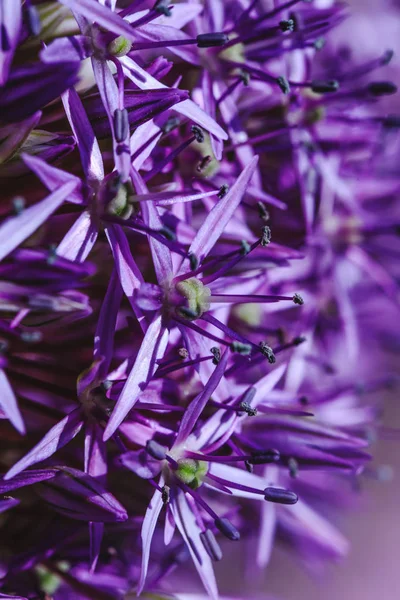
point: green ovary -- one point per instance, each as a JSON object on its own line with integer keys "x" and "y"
{"x": 191, "y": 472}
{"x": 197, "y": 296}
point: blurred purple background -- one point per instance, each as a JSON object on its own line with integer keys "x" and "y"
{"x": 372, "y": 568}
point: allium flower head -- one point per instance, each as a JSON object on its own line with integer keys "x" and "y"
{"x": 198, "y": 223}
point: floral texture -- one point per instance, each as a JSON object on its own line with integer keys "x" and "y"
{"x": 198, "y": 273}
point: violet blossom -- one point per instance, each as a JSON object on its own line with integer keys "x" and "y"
{"x": 198, "y": 223}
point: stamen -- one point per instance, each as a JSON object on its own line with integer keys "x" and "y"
{"x": 121, "y": 124}
{"x": 227, "y": 529}
{"x": 163, "y": 7}
{"x": 240, "y": 348}
{"x": 267, "y": 352}
{"x": 266, "y": 236}
{"x": 283, "y": 84}
{"x": 280, "y": 496}
{"x": 297, "y": 299}
{"x": 216, "y": 352}
{"x": 165, "y": 495}
{"x": 263, "y": 211}
{"x": 198, "y": 133}
{"x": 211, "y": 545}
{"x": 287, "y": 25}
{"x": 155, "y": 450}
{"x": 381, "y": 88}
{"x": 223, "y": 190}
{"x": 211, "y": 40}
{"x": 324, "y": 87}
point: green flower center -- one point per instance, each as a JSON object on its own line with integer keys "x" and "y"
{"x": 191, "y": 472}
{"x": 197, "y": 296}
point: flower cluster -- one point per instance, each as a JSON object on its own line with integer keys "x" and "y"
{"x": 198, "y": 272}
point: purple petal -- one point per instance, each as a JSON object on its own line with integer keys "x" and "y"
{"x": 30, "y": 88}
{"x": 186, "y": 108}
{"x": 148, "y": 527}
{"x": 128, "y": 272}
{"x": 8, "y": 403}
{"x": 79, "y": 496}
{"x": 190, "y": 531}
{"x": 88, "y": 146}
{"x": 27, "y": 478}
{"x": 106, "y": 324}
{"x": 96, "y": 531}
{"x": 73, "y": 48}
{"x": 10, "y": 25}
{"x": 78, "y": 242}
{"x": 217, "y": 219}
{"x": 152, "y": 346}
{"x": 95, "y": 451}
{"x": 109, "y": 94}
{"x": 56, "y": 438}
{"x": 6, "y": 504}
{"x": 53, "y": 178}
{"x": 196, "y": 407}
{"x": 161, "y": 255}
{"x": 141, "y": 463}
{"x": 16, "y": 230}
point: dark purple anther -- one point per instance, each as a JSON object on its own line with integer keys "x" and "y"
{"x": 216, "y": 352}
{"x": 265, "y": 236}
{"x": 264, "y": 457}
{"x": 223, "y": 190}
{"x": 280, "y": 496}
{"x": 325, "y": 87}
{"x": 297, "y": 299}
{"x": 155, "y": 450}
{"x": 287, "y": 25}
{"x": 267, "y": 352}
{"x": 283, "y": 84}
{"x": 210, "y": 40}
{"x": 381, "y": 88}
{"x": 121, "y": 124}
{"x": 198, "y": 133}
{"x": 227, "y": 529}
{"x": 211, "y": 545}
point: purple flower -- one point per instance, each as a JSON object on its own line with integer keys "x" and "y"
{"x": 198, "y": 276}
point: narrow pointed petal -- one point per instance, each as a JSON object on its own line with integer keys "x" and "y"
{"x": 95, "y": 451}
{"x": 72, "y": 48}
{"x": 16, "y": 230}
{"x": 129, "y": 274}
{"x": 96, "y": 531}
{"x": 196, "y": 407}
{"x": 10, "y": 25}
{"x": 161, "y": 254}
{"x": 9, "y": 405}
{"x": 27, "y": 478}
{"x": 105, "y": 328}
{"x": 30, "y": 88}
{"x": 80, "y": 496}
{"x": 109, "y": 94}
{"x": 148, "y": 528}
{"x": 6, "y": 504}
{"x": 78, "y": 242}
{"x": 190, "y": 531}
{"x": 88, "y": 145}
{"x": 56, "y": 438}
{"x": 217, "y": 219}
{"x": 186, "y": 108}
{"x": 142, "y": 370}
{"x": 53, "y": 178}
